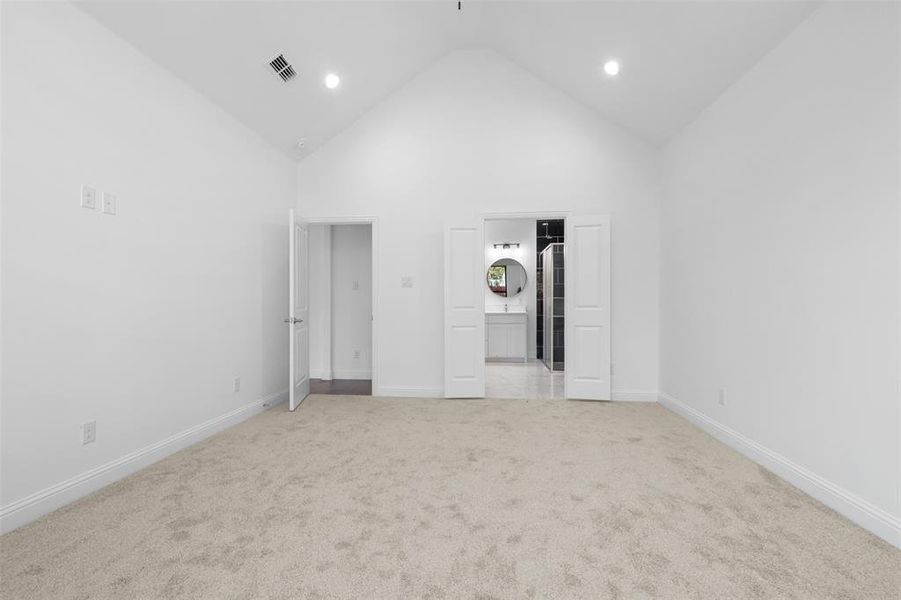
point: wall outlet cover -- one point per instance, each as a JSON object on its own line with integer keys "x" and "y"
{"x": 88, "y": 197}
{"x": 109, "y": 203}
{"x": 89, "y": 433}
{"x": 237, "y": 384}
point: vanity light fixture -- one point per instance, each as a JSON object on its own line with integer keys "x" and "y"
{"x": 506, "y": 245}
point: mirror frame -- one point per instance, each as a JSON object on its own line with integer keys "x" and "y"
{"x": 495, "y": 264}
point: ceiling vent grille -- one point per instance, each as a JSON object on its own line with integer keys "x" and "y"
{"x": 282, "y": 67}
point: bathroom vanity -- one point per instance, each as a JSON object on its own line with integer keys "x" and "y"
{"x": 506, "y": 336}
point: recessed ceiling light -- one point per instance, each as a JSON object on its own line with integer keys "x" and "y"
{"x": 332, "y": 81}
{"x": 611, "y": 67}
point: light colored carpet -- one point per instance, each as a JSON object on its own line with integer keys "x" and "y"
{"x": 355, "y": 497}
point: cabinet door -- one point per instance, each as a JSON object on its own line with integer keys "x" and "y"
{"x": 516, "y": 340}
{"x": 497, "y": 340}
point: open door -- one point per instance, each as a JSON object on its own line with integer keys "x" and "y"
{"x": 299, "y": 303}
{"x": 587, "y": 307}
{"x": 464, "y": 312}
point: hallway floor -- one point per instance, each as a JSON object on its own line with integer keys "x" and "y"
{"x": 522, "y": 380}
{"x": 341, "y": 387}
{"x": 356, "y": 497}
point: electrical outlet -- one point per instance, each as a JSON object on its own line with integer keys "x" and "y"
{"x": 721, "y": 397}
{"x": 356, "y": 354}
{"x": 356, "y": 285}
{"x": 89, "y": 433}
{"x": 237, "y": 384}
{"x": 109, "y": 203}
{"x": 406, "y": 281}
{"x": 88, "y": 197}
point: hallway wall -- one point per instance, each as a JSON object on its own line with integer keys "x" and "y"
{"x": 351, "y": 301}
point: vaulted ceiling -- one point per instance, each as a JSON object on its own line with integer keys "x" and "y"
{"x": 676, "y": 57}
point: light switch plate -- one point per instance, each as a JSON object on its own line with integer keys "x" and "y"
{"x": 109, "y": 203}
{"x": 88, "y": 197}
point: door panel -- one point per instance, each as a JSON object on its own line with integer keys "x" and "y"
{"x": 464, "y": 312}
{"x": 587, "y": 299}
{"x": 299, "y": 303}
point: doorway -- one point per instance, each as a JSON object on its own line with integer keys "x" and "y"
{"x": 520, "y": 276}
{"x": 341, "y": 300}
{"x": 469, "y": 317}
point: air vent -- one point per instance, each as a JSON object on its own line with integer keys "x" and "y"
{"x": 282, "y": 67}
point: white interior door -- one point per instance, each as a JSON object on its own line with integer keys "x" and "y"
{"x": 299, "y": 320}
{"x": 587, "y": 307}
{"x": 464, "y": 312}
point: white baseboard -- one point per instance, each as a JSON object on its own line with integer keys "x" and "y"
{"x": 28, "y": 509}
{"x": 409, "y": 391}
{"x": 351, "y": 374}
{"x": 634, "y": 396}
{"x": 858, "y": 510}
{"x": 436, "y": 392}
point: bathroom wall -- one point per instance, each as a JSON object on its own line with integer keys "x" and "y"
{"x": 547, "y": 231}
{"x": 522, "y": 231}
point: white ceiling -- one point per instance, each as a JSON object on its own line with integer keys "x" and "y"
{"x": 676, "y": 57}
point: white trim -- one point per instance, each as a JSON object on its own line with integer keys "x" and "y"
{"x": 634, "y": 396}
{"x": 40, "y": 503}
{"x": 403, "y": 391}
{"x": 858, "y": 510}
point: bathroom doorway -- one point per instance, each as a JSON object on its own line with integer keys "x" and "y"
{"x": 477, "y": 304}
{"x": 523, "y": 260}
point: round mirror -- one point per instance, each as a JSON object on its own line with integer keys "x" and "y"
{"x": 506, "y": 277}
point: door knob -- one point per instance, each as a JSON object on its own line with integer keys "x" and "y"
{"x": 292, "y": 320}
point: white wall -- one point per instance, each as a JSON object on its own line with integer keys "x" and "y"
{"x": 320, "y": 301}
{"x": 139, "y": 321}
{"x": 780, "y": 261}
{"x": 351, "y": 301}
{"x": 522, "y": 231}
{"x": 473, "y": 134}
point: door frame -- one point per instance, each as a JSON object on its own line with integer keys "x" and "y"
{"x": 373, "y": 222}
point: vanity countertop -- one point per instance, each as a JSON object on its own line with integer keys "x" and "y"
{"x": 513, "y": 310}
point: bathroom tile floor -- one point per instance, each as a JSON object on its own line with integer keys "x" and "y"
{"x": 522, "y": 380}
